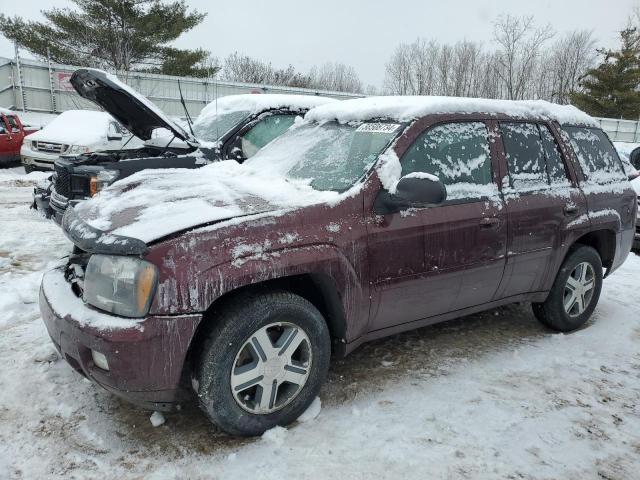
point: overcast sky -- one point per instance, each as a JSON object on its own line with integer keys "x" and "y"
{"x": 359, "y": 32}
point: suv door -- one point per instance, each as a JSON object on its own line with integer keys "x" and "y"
{"x": 610, "y": 198}
{"x": 9, "y": 146}
{"x": 430, "y": 261}
{"x": 543, "y": 205}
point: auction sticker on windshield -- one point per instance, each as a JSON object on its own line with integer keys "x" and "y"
{"x": 378, "y": 127}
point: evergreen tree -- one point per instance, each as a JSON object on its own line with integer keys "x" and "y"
{"x": 113, "y": 34}
{"x": 611, "y": 89}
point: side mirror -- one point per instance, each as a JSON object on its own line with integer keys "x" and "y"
{"x": 634, "y": 158}
{"x": 413, "y": 190}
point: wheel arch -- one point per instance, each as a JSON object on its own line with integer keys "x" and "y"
{"x": 603, "y": 241}
{"x": 316, "y": 287}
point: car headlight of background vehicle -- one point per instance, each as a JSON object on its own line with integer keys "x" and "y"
{"x": 121, "y": 285}
{"x": 76, "y": 149}
{"x": 103, "y": 179}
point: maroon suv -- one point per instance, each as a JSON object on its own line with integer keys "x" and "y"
{"x": 370, "y": 217}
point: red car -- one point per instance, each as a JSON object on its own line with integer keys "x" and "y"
{"x": 12, "y": 133}
{"x": 235, "y": 284}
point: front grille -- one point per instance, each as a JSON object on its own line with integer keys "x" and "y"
{"x": 63, "y": 181}
{"x": 49, "y": 147}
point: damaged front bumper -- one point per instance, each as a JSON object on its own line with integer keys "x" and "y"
{"x": 146, "y": 357}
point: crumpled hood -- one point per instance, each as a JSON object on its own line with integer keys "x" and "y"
{"x": 152, "y": 204}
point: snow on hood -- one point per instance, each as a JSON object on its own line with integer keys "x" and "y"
{"x": 154, "y": 203}
{"x": 406, "y": 108}
{"x": 76, "y": 127}
{"x": 255, "y": 103}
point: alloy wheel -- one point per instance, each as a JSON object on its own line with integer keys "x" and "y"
{"x": 271, "y": 368}
{"x": 578, "y": 291}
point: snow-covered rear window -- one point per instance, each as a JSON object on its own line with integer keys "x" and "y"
{"x": 456, "y": 153}
{"x": 211, "y": 128}
{"x": 330, "y": 156}
{"x": 599, "y": 160}
{"x": 555, "y": 163}
{"x": 533, "y": 158}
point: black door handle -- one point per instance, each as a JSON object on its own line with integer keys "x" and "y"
{"x": 489, "y": 222}
{"x": 570, "y": 209}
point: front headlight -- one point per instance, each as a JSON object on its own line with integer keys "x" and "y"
{"x": 77, "y": 149}
{"x": 103, "y": 179}
{"x": 121, "y": 285}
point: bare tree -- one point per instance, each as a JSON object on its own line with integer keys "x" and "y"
{"x": 242, "y": 68}
{"x": 335, "y": 76}
{"x": 570, "y": 57}
{"x": 398, "y": 71}
{"x": 520, "y": 42}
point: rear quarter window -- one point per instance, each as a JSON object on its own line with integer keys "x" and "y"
{"x": 597, "y": 157}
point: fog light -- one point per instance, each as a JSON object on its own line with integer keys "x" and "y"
{"x": 100, "y": 360}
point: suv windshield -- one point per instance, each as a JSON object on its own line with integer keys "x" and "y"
{"x": 330, "y": 156}
{"x": 213, "y": 127}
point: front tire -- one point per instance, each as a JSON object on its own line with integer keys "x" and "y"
{"x": 263, "y": 362}
{"x": 575, "y": 291}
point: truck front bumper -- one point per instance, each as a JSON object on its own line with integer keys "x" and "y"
{"x": 145, "y": 357}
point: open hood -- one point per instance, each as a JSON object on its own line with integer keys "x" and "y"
{"x": 131, "y": 109}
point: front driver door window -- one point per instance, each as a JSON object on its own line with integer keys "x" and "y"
{"x": 266, "y": 130}
{"x": 462, "y": 241}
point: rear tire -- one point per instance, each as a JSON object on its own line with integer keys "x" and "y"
{"x": 262, "y": 363}
{"x": 575, "y": 291}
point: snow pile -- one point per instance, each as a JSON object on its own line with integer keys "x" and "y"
{"x": 169, "y": 200}
{"x": 76, "y": 127}
{"x": 408, "y": 108}
{"x": 157, "y": 419}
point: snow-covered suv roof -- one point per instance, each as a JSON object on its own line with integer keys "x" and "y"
{"x": 255, "y": 103}
{"x": 407, "y": 108}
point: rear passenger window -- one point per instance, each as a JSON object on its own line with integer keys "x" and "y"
{"x": 599, "y": 160}
{"x": 555, "y": 165}
{"x": 525, "y": 155}
{"x": 458, "y": 154}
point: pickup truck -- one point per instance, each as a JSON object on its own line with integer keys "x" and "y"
{"x": 229, "y": 128}
{"x": 12, "y": 133}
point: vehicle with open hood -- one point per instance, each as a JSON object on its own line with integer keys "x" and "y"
{"x": 234, "y": 285}
{"x": 233, "y": 127}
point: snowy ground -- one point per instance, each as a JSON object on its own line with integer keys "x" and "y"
{"x": 494, "y": 395}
